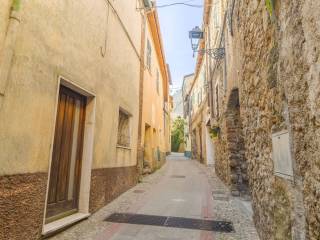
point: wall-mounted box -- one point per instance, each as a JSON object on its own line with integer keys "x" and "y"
{"x": 281, "y": 155}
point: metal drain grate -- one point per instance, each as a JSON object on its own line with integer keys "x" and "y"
{"x": 138, "y": 191}
{"x": 218, "y": 192}
{"x": 178, "y": 176}
{"x": 221, "y": 198}
{"x": 137, "y": 219}
{"x": 220, "y": 195}
{"x": 176, "y": 222}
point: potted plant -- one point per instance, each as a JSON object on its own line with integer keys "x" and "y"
{"x": 214, "y": 132}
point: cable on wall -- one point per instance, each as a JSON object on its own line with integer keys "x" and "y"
{"x": 124, "y": 28}
{"x": 103, "y": 49}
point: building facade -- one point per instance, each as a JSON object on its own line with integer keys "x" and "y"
{"x": 155, "y": 129}
{"x": 198, "y": 113}
{"x": 177, "y": 110}
{"x": 70, "y": 98}
{"x": 198, "y": 110}
{"x": 177, "y": 115}
{"x": 186, "y": 88}
{"x": 263, "y": 99}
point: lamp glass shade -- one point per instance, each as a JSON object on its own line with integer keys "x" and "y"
{"x": 195, "y": 35}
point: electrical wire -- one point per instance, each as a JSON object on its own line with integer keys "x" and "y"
{"x": 185, "y": 3}
{"x": 179, "y": 3}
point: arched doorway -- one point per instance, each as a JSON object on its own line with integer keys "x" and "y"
{"x": 236, "y": 149}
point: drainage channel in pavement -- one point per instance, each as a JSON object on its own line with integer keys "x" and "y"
{"x": 175, "y": 222}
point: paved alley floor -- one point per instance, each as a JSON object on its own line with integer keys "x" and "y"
{"x": 181, "y": 188}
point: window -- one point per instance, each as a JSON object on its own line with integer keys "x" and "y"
{"x": 158, "y": 81}
{"x": 124, "y": 129}
{"x": 165, "y": 109}
{"x": 200, "y": 97}
{"x": 205, "y": 82}
{"x": 164, "y": 122}
{"x": 193, "y": 99}
{"x": 217, "y": 100}
{"x": 216, "y": 15}
{"x": 148, "y": 55}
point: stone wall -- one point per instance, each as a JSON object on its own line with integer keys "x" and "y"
{"x": 219, "y": 117}
{"x": 231, "y": 164}
{"x": 221, "y": 155}
{"x": 22, "y": 198}
{"x": 108, "y": 183}
{"x": 235, "y": 141}
{"x": 22, "y": 202}
{"x": 279, "y": 89}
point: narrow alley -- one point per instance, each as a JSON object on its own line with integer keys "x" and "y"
{"x": 160, "y": 120}
{"x": 182, "y": 188}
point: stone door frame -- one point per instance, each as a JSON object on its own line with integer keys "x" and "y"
{"x": 87, "y": 157}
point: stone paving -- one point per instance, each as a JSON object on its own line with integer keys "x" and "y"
{"x": 182, "y": 188}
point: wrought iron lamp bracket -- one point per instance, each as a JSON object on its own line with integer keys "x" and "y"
{"x": 215, "y": 53}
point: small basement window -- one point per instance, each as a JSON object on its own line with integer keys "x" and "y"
{"x": 124, "y": 129}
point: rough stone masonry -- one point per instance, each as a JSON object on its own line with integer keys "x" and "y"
{"x": 280, "y": 90}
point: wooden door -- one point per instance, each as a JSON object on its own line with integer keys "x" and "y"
{"x": 200, "y": 147}
{"x": 147, "y": 145}
{"x": 63, "y": 194}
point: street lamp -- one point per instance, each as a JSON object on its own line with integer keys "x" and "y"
{"x": 195, "y": 35}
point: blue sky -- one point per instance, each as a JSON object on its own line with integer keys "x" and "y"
{"x": 175, "y": 23}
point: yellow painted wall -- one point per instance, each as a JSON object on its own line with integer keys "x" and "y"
{"x": 153, "y": 101}
{"x": 65, "y": 38}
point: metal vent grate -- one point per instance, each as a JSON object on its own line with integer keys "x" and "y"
{"x": 175, "y": 222}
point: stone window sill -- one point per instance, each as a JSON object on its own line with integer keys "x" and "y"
{"x": 124, "y": 147}
{"x": 53, "y": 227}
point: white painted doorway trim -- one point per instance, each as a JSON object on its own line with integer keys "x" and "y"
{"x": 87, "y": 157}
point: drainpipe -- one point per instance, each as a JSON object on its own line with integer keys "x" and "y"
{"x": 6, "y": 55}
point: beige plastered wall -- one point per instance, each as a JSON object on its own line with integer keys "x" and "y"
{"x": 4, "y": 20}
{"x": 65, "y": 38}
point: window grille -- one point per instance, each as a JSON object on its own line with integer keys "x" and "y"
{"x": 124, "y": 129}
{"x": 217, "y": 101}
